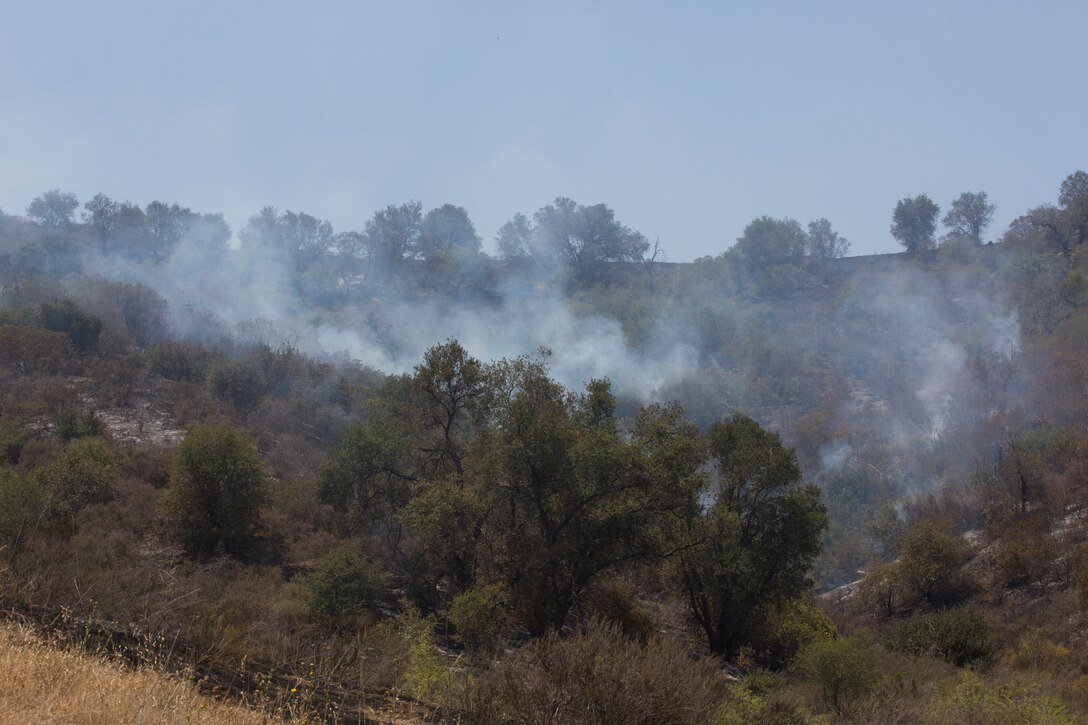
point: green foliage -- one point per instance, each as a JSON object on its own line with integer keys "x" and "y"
{"x": 444, "y": 522}
{"x": 841, "y": 668}
{"x": 929, "y": 568}
{"x": 769, "y": 254}
{"x": 32, "y": 349}
{"x": 215, "y": 493}
{"x": 580, "y": 238}
{"x": 971, "y": 701}
{"x": 754, "y": 544}
{"x": 53, "y": 209}
{"x": 578, "y": 498}
{"x": 23, "y": 508}
{"x": 65, "y": 316}
{"x": 238, "y": 382}
{"x": 970, "y": 214}
{"x": 958, "y": 636}
{"x": 914, "y": 222}
{"x": 345, "y": 582}
{"x": 480, "y": 618}
{"x": 1036, "y": 652}
{"x": 180, "y": 360}
{"x": 366, "y": 474}
{"x": 13, "y": 437}
{"x": 425, "y": 675}
{"x": 796, "y": 625}
{"x": 70, "y": 424}
{"x": 85, "y": 473}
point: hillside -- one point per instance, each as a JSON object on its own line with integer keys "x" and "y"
{"x": 444, "y": 483}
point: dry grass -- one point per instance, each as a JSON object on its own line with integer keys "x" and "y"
{"x": 44, "y": 684}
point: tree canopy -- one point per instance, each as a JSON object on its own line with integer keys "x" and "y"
{"x": 565, "y": 234}
{"x": 914, "y": 223}
{"x": 970, "y": 214}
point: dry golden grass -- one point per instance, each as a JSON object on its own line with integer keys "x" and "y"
{"x": 44, "y": 684}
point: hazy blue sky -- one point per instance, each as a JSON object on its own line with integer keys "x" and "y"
{"x": 689, "y": 119}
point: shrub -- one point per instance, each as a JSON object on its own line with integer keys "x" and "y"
{"x": 82, "y": 328}
{"x": 238, "y": 383}
{"x": 480, "y": 619}
{"x": 70, "y": 424}
{"x": 1036, "y": 652}
{"x": 22, "y": 509}
{"x": 12, "y": 438}
{"x": 424, "y": 676}
{"x": 1027, "y": 554}
{"x": 929, "y": 568}
{"x": 215, "y": 493}
{"x": 598, "y": 676}
{"x": 84, "y": 474}
{"x": 958, "y": 636}
{"x": 345, "y": 582}
{"x": 180, "y": 360}
{"x": 614, "y": 601}
{"x": 792, "y": 628}
{"x": 970, "y": 701}
{"x": 31, "y": 349}
{"x": 841, "y": 669}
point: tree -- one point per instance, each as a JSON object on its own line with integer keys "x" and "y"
{"x": 101, "y": 213}
{"x": 580, "y": 238}
{"x": 914, "y": 222}
{"x": 53, "y": 209}
{"x": 586, "y": 237}
{"x": 449, "y": 384}
{"x": 215, "y": 493}
{"x": 86, "y": 473}
{"x": 768, "y": 256}
{"x": 970, "y": 214}
{"x": 768, "y": 242}
{"x": 1073, "y": 201}
{"x": 823, "y": 242}
{"x": 444, "y": 231}
{"x": 752, "y": 546}
{"x": 367, "y": 473}
{"x": 514, "y": 240}
{"x": 569, "y": 496}
{"x": 449, "y": 251}
{"x": 391, "y": 236}
{"x": 297, "y": 239}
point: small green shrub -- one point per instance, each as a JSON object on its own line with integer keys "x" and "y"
{"x": 971, "y": 701}
{"x": 70, "y": 424}
{"x": 215, "y": 494}
{"x": 84, "y": 474}
{"x": 345, "y": 582}
{"x": 480, "y": 618}
{"x": 958, "y": 636}
{"x": 425, "y": 675}
{"x": 12, "y": 438}
{"x": 929, "y": 568}
{"x": 1036, "y": 652}
{"x": 795, "y": 626}
{"x": 842, "y": 670}
{"x": 82, "y": 328}
{"x": 22, "y": 510}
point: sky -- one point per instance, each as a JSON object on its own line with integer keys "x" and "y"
{"x": 689, "y": 119}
